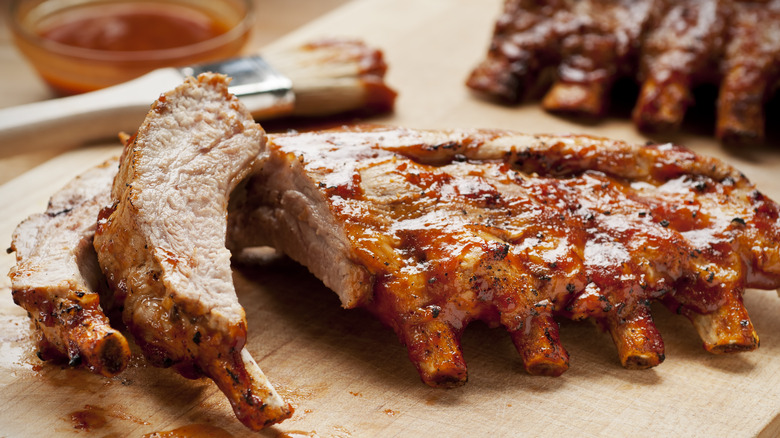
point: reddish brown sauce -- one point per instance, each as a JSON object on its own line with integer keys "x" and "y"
{"x": 192, "y": 431}
{"x": 94, "y": 417}
{"x": 88, "y": 419}
{"x": 127, "y": 27}
{"x": 92, "y": 46}
{"x": 297, "y": 434}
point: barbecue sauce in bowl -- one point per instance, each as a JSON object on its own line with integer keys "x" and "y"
{"x": 128, "y": 28}
{"x": 87, "y": 45}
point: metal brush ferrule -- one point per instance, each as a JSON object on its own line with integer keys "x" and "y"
{"x": 264, "y": 91}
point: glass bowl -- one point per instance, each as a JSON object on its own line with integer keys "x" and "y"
{"x": 83, "y": 45}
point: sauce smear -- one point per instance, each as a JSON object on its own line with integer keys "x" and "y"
{"x": 192, "y": 431}
{"x": 88, "y": 419}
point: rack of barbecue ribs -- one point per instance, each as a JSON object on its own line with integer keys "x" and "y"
{"x": 669, "y": 47}
{"x": 431, "y": 230}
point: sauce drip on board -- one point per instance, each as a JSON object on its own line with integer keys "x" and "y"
{"x": 192, "y": 431}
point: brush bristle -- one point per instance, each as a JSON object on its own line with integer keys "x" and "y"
{"x": 335, "y": 76}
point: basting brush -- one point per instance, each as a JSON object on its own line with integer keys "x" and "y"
{"x": 321, "y": 78}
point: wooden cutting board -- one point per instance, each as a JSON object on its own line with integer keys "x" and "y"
{"x": 346, "y": 374}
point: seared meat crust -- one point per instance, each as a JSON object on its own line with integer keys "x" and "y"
{"x": 668, "y": 46}
{"x": 431, "y": 230}
{"x": 58, "y": 281}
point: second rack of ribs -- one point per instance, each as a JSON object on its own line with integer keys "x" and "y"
{"x": 574, "y": 51}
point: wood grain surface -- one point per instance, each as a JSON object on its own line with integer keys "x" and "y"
{"x": 345, "y": 373}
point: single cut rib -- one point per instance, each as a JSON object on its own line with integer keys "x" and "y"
{"x": 162, "y": 242}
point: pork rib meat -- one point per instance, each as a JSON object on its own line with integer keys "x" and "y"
{"x": 58, "y": 281}
{"x": 668, "y": 47}
{"x": 161, "y": 244}
{"x": 430, "y": 230}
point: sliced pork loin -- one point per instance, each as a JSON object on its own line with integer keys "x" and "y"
{"x": 433, "y": 229}
{"x": 162, "y": 242}
{"x": 57, "y": 279}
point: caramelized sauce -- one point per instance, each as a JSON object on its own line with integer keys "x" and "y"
{"x": 127, "y": 27}
{"x": 460, "y": 230}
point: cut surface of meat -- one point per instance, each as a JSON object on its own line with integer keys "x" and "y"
{"x": 161, "y": 243}
{"x": 669, "y": 47}
{"x": 431, "y": 230}
{"x": 58, "y": 281}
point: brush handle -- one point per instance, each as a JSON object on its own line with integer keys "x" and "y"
{"x": 70, "y": 121}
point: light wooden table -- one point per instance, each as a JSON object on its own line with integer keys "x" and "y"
{"x": 345, "y": 373}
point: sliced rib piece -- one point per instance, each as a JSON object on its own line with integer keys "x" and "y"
{"x": 58, "y": 281}
{"x": 431, "y": 230}
{"x": 162, "y": 242}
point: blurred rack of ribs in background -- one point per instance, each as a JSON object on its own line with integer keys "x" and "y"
{"x": 573, "y": 52}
